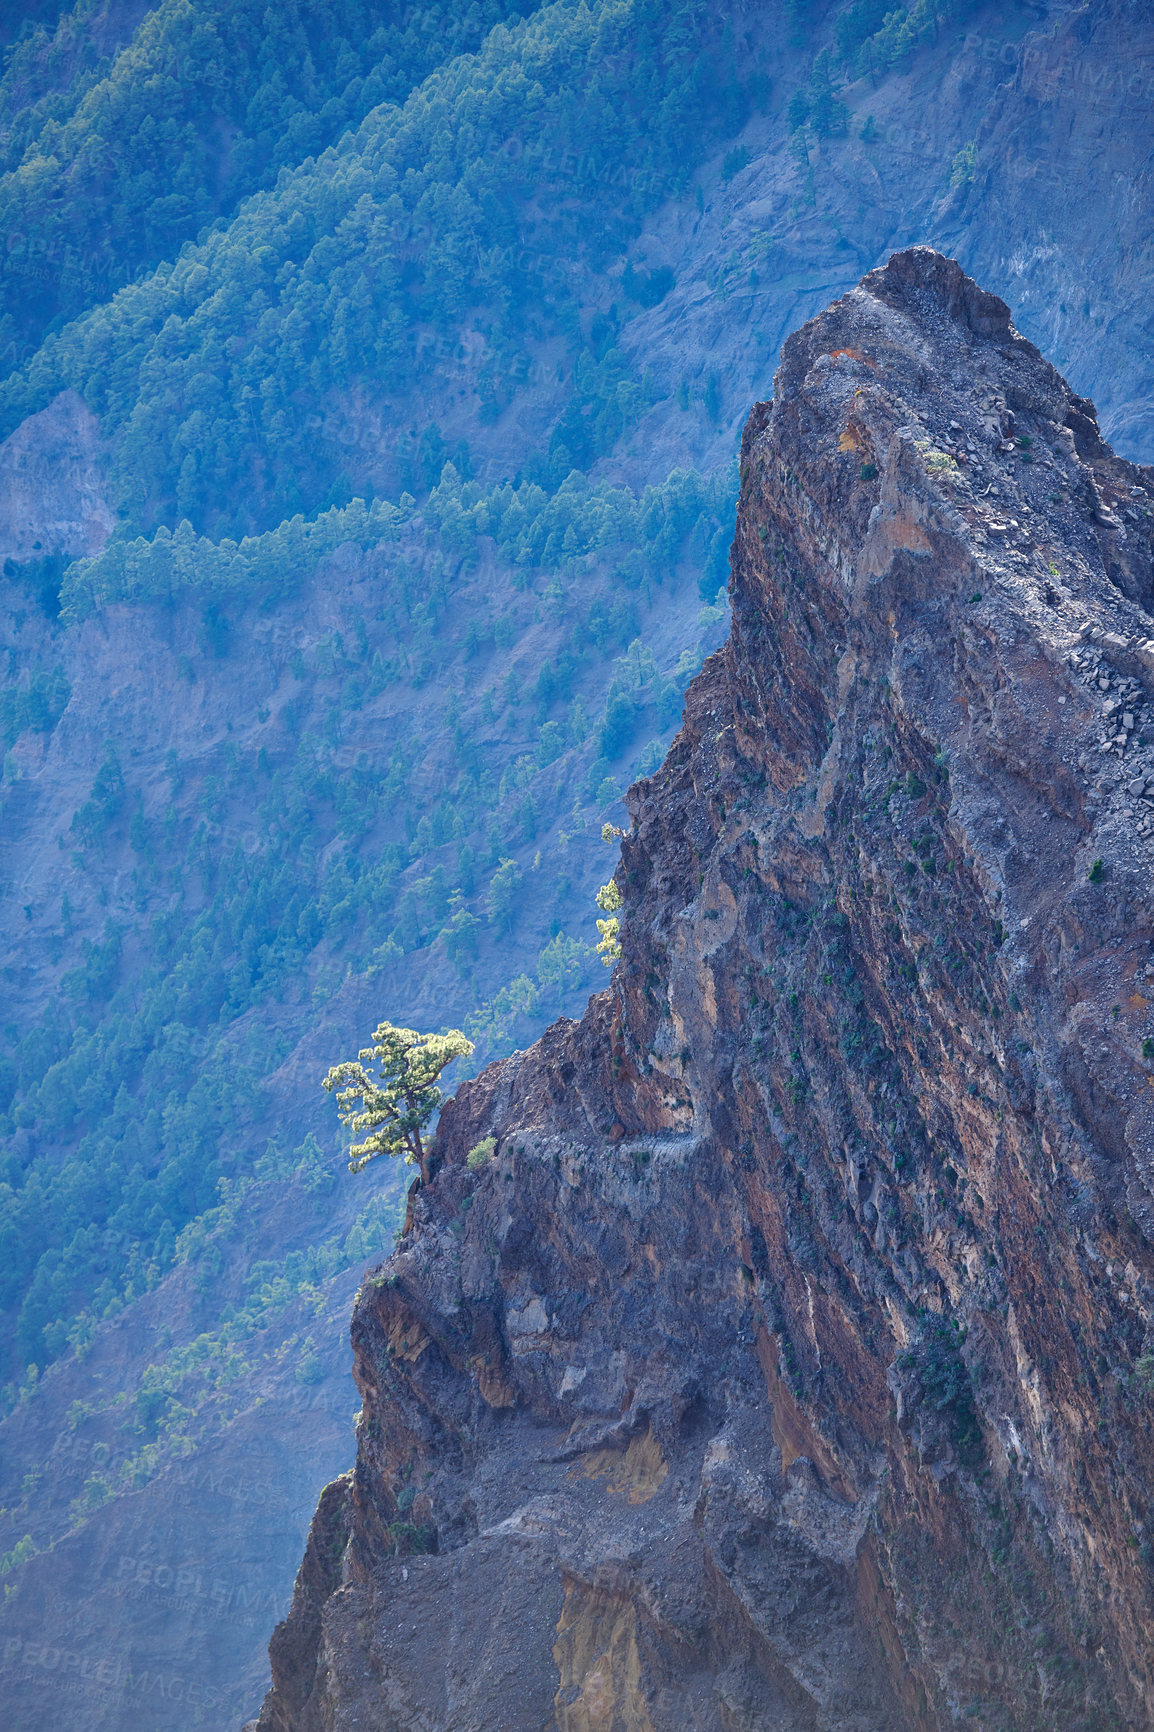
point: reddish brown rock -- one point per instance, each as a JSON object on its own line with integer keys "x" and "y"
{"x": 789, "y": 1364}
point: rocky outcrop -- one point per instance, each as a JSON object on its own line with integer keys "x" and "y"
{"x": 788, "y": 1364}
{"x": 52, "y": 485}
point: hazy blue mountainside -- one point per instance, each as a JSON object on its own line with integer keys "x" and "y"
{"x": 112, "y": 159}
{"x": 358, "y": 551}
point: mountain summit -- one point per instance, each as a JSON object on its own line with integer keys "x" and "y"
{"x": 789, "y": 1362}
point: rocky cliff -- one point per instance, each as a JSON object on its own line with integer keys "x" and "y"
{"x": 789, "y": 1362}
{"x": 1015, "y": 138}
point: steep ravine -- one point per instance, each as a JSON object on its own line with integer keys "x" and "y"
{"x": 789, "y": 1363}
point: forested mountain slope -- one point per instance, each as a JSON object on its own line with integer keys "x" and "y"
{"x": 112, "y": 159}
{"x": 357, "y": 555}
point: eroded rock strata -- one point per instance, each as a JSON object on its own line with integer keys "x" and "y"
{"x": 789, "y": 1364}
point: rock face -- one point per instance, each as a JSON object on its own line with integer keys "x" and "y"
{"x": 789, "y": 1362}
{"x": 52, "y": 486}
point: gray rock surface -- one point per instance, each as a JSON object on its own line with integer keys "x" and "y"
{"x": 52, "y": 487}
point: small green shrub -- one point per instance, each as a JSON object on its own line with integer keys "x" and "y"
{"x": 20, "y": 1553}
{"x": 945, "y": 1385}
{"x": 1097, "y": 871}
{"x": 410, "y": 1540}
{"x": 1148, "y": 1048}
{"x": 609, "y": 900}
{"x": 309, "y": 1370}
{"x": 480, "y": 1153}
{"x": 963, "y": 166}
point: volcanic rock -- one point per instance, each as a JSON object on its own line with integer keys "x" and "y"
{"x": 789, "y": 1363}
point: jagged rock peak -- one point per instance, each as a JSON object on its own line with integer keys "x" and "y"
{"x": 789, "y": 1364}
{"x": 920, "y": 281}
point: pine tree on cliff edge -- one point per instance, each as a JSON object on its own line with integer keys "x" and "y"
{"x": 397, "y": 1108}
